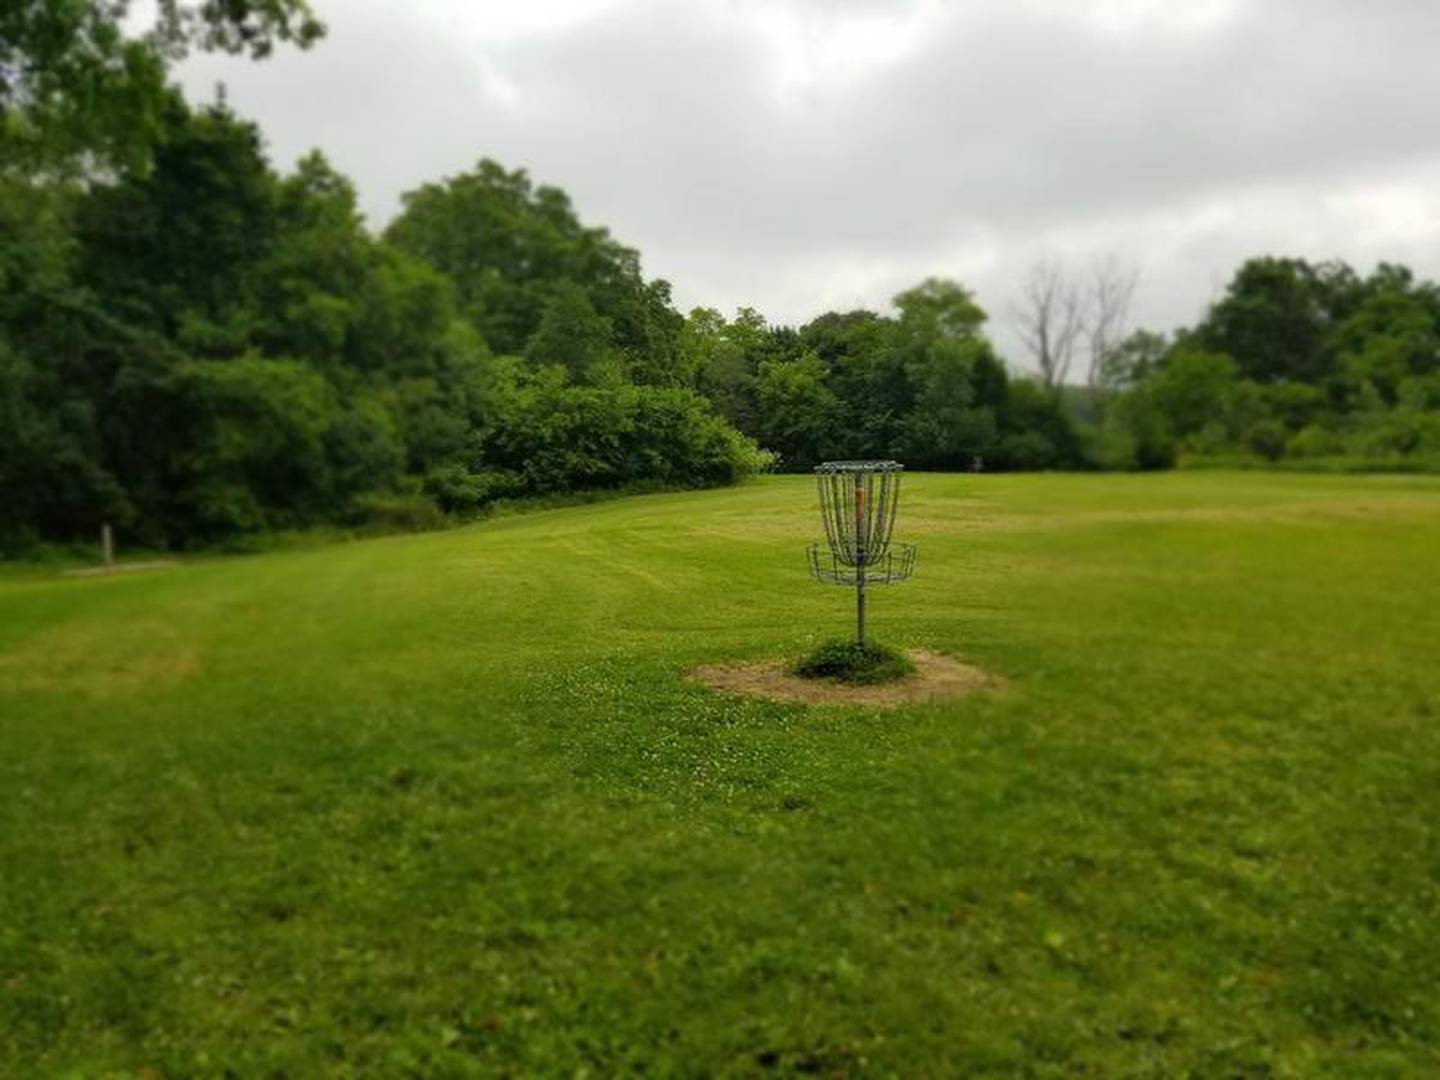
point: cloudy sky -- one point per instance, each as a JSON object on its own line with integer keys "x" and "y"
{"x": 803, "y": 155}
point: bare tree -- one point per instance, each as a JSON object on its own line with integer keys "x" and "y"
{"x": 1051, "y": 319}
{"x": 1109, "y": 290}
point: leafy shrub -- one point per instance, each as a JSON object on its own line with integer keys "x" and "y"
{"x": 1028, "y": 450}
{"x": 565, "y": 438}
{"x": 852, "y": 662}
{"x": 459, "y": 490}
{"x": 1267, "y": 439}
{"x": 255, "y": 454}
{"x": 405, "y": 512}
{"x": 1314, "y": 441}
{"x": 1136, "y": 435}
{"x": 1212, "y": 438}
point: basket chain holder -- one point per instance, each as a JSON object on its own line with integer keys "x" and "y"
{"x": 858, "y": 501}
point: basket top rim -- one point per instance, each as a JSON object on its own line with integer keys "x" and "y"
{"x": 859, "y": 466}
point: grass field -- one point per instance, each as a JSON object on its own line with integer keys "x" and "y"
{"x": 445, "y": 805}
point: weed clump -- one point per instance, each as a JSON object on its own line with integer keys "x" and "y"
{"x": 854, "y": 663}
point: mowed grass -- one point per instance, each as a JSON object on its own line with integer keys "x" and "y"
{"x": 444, "y": 805}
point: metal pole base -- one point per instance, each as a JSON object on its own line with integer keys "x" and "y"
{"x": 860, "y": 611}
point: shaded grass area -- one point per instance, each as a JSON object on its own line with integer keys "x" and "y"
{"x": 860, "y": 664}
{"x": 444, "y": 804}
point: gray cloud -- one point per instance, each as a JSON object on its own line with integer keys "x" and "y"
{"x": 807, "y": 155}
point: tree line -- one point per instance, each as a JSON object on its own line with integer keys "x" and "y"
{"x": 1302, "y": 364}
{"x": 195, "y": 346}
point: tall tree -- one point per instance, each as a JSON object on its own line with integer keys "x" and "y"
{"x": 573, "y": 336}
{"x": 797, "y": 410}
{"x": 1131, "y": 361}
{"x": 1109, "y": 289}
{"x": 1050, "y": 318}
{"x": 726, "y": 357}
{"x": 1276, "y": 314}
{"x": 938, "y": 308}
{"x": 175, "y": 249}
{"x": 80, "y": 90}
{"x": 868, "y": 373}
{"x": 507, "y": 243}
{"x": 313, "y": 274}
{"x": 957, "y": 387}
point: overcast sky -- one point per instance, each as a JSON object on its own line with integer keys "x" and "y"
{"x": 814, "y": 154}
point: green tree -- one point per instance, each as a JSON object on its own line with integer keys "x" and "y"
{"x": 1193, "y": 389}
{"x": 573, "y": 336}
{"x": 508, "y": 245}
{"x": 1393, "y": 335}
{"x": 407, "y": 322}
{"x": 176, "y": 250}
{"x": 796, "y": 410}
{"x": 315, "y": 274}
{"x": 1136, "y": 434}
{"x": 953, "y": 419}
{"x": 80, "y": 89}
{"x": 1276, "y": 316}
{"x": 869, "y": 376}
{"x": 1036, "y": 432}
{"x": 270, "y": 444}
{"x": 1132, "y": 361}
{"x": 958, "y": 388}
{"x": 937, "y": 308}
{"x": 726, "y": 357}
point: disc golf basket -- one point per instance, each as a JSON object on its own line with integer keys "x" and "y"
{"x": 858, "y": 500}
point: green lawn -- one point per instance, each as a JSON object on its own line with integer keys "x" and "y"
{"x": 444, "y": 804}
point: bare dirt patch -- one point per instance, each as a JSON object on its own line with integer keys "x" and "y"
{"x": 936, "y": 678}
{"x": 121, "y": 568}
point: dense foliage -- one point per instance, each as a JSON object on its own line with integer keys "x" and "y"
{"x": 203, "y": 348}
{"x": 1299, "y": 364}
{"x": 194, "y": 347}
{"x": 923, "y": 385}
{"x": 79, "y": 90}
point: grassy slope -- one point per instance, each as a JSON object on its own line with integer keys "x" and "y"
{"x": 445, "y": 802}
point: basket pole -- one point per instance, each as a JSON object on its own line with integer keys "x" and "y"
{"x": 861, "y": 551}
